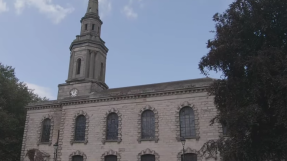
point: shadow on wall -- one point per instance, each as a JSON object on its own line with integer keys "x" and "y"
{"x": 36, "y": 155}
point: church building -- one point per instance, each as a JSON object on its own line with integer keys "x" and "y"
{"x": 90, "y": 122}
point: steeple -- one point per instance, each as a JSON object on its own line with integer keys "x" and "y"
{"x": 93, "y": 7}
{"x": 87, "y": 67}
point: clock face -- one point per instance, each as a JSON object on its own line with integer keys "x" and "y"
{"x": 74, "y": 92}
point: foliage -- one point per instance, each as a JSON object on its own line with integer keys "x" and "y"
{"x": 250, "y": 50}
{"x": 14, "y": 96}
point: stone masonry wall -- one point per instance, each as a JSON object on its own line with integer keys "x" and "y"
{"x": 167, "y": 148}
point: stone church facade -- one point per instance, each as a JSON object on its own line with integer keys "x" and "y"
{"x": 90, "y": 122}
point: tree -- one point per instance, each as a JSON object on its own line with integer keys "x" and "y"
{"x": 14, "y": 96}
{"x": 250, "y": 50}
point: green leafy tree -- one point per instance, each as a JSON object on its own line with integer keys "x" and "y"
{"x": 14, "y": 96}
{"x": 250, "y": 50}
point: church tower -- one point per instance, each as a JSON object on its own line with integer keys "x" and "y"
{"x": 87, "y": 58}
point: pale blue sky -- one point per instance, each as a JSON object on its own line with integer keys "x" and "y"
{"x": 149, "y": 41}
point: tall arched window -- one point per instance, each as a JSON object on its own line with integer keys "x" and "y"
{"x": 147, "y": 125}
{"x": 46, "y": 129}
{"x": 79, "y": 66}
{"x": 80, "y": 128}
{"x": 77, "y": 158}
{"x": 189, "y": 157}
{"x": 112, "y": 126}
{"x": 187, "y": 125}
{"x": 148, "y": 157}
{"x": 110, "y": 158}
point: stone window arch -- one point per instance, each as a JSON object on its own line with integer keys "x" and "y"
{"x": 119, "y": 126}
{"x": 156, "y": 130}
{"x": 110, "y": 153}
{"x": 148, "y": 152}
{"x": 76, "y": 154}
{"x": 189, "y": 153}
{"x": 194, "y": 110}
{"x": 44, "y": 127}
{"x": 80, "y": 114}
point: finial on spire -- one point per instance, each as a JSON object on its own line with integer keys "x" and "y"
{"x": 93, "y": 7}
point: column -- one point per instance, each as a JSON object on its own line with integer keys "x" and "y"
{"x": 92, "y": 58}
{"x": 71, "y": 66}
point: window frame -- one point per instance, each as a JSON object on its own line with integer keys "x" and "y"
{"x": 190, "y": 125}
{"x": 40, "y": 130}
{"x": 104, "y": 126}
{"x": 73, "y": 127}
{"x": 148, "y": 152}
{"x": 107, "y": 126}
{"x": 148, "y": 119}
{"x": 43, "y": 140}
{"x": 111, "y": 152}
{"x": 78, "y": 130}
{"x": 156, "y": 121}
{"x": 80, "y": 153}
{"x": 196, "y": 120}
{"x": 188, "y": 150}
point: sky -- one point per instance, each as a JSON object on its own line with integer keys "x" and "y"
{"x": 149, "y": 41}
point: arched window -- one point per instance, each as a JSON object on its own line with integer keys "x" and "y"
{"x": 112, "y": 126}
{"x": 46, "y": 129}
{"x": 79, "y": 66}
{"x": 148, "y": 157}
{"x": 110, "y": 158}
{"x": 187, "y": 125}
{"x": 189, "y": 157}
{"x": 80, "y": 128}
{"x": 147, "y": 125}
{"x": 77, "y": 158}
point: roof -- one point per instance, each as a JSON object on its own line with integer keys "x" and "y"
{"x": 137, "y": 90}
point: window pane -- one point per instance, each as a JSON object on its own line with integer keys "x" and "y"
{"x": 112, "y": 127}
{"x": 111, "y": 158}
{"x": 80, "y": 128}
{"x": 77, "y": 158}
{"x": 148, "y": 157}
{"x": 187, "y": 122}
{"x": 147, "y": 125}
{"x": 189, "y": 157}
{"x": 46, "y": 128}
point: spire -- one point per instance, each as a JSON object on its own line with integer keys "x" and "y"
{"x": 93, "y": 7}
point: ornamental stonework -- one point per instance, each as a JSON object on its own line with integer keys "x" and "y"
{"x": 196, "y": 119}
{"x": 104, "y": 126}
{"x": 150, "y": 152}
{"x": 78, "y": 153}
{"x": 111, "y": 152}
{"x": 40, "y": 129}
{"x": 78, "y": 113}
{"x": 156, "y": 121}
{"x": 189, "y": 151}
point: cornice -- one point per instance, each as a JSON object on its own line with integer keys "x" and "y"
{"x": 77, "y": 42}
{"x": 90, "y": 15}
{"x": 109, "y": 98}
